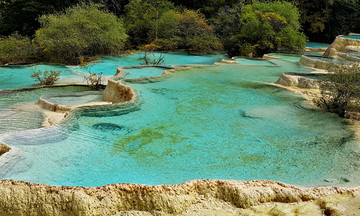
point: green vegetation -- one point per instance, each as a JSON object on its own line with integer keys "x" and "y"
{"x": 82, "y": 30}
{"x": 185, "y": 30}
{"x": 267, "y": 27}
{"x": 343, "y": 93}
{"x": 71, "y": 31}
{"x": 16, "y": 49}
{"x": 142, "y": 20}
{"x": 46, "y": 78}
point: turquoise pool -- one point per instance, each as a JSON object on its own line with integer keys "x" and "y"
{"x": 249, "y": 61}
{"x": 357, "y": 37}
{"x": 219, "y": 122}
{"x": 75, "y": 99}
{"x": 18, "y": 110}
{"x": 109, "y": 64}
{"x": 288, "y": 57}
{"x": 317, "y": 45}
{"x": 133, "y": 73}
{"x": 15, "y": 77}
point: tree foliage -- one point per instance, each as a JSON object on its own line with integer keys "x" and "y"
{"x": 142, "y": 16}
{"x": 21, "y": 15}
{"x": 267, "y": 27}
{"x": 323, "y": 20}
{"x": 16, "y": 49}
{"x": 82, "y": 30}
{"x": 185, "y": 30}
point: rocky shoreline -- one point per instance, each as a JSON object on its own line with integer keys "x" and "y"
{"x": 198, "y": 197}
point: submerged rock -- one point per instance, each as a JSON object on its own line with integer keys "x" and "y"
{"x": 108, "y": 127}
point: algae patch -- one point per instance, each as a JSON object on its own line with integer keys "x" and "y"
{"x": 150, "y": 142}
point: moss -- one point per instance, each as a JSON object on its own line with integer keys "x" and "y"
{"x": 159, "y": 142}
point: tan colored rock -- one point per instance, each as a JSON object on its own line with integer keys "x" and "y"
{"x": 341, "y": 45}
{"x": 298, "y": 81}
{"x": 4, "y": 148}
{"x": 198, "y": 197}
{"x": 228, "y": 61}
{"x": 116, "y": 92}
{"x": 315, "y": 63}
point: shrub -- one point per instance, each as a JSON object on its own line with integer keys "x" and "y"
{"x": 339, "y": 95}
{"x": 166, "y": 44}
{"x": 203, "y": 43}
{"x": 95, "y": 80}
{"x": 46, "y": 78}
{"x": 82, "y": 30}
{"x": 150, "y": 57}
{"x": 16, "y": 49}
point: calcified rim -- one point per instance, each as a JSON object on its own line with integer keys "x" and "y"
{"x": 18, "y": 197}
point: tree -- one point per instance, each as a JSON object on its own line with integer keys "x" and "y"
{"x": 342, "y": 89}
{"x": 185, "y": 30}
{"x": 150, "y": 57}
{"x": 82, "y": 30}
{"x": 322, "y": 20}
{"x": 16, "y": 49}
{"x": 142, "y": 16}
{"x": 267, "y": 27}
{"x": 21, "y": 15}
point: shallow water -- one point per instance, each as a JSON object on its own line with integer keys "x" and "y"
{"x": 220, "y": 122}
{"x": 249, "y": 61}
{"x": 15, "y": 77}
{"x": 109, "y": 64}
{"x": 18, "y": 110}
{"x": 75, "y": 99}
{"x": 317, "y": 45}
{"x": 287, "y": 57}
{"x": 357, "y": 37}
{"x": 133, "y": 73}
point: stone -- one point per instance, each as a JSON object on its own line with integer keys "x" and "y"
{"x": 4, "y": 148}
{"x": 116, "y": 92}
{"x": 197, "y": 197}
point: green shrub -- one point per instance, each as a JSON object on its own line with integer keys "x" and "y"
{"x": 166, "y": 44}
{"x": 82, "y": 30}
{"x": 342, "y": 92}
{"x": 16, "y": 49}
{"x": 46, "y": 78}
{"x": 203, "y": 43}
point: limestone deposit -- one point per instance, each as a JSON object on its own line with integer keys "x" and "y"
{"x": 296, "y": 80}
{"x": 198, "y": 197}
{"x": 116, "y": 92}
{"x": 341, "y": 45}
{"x": 316, "y": 63}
